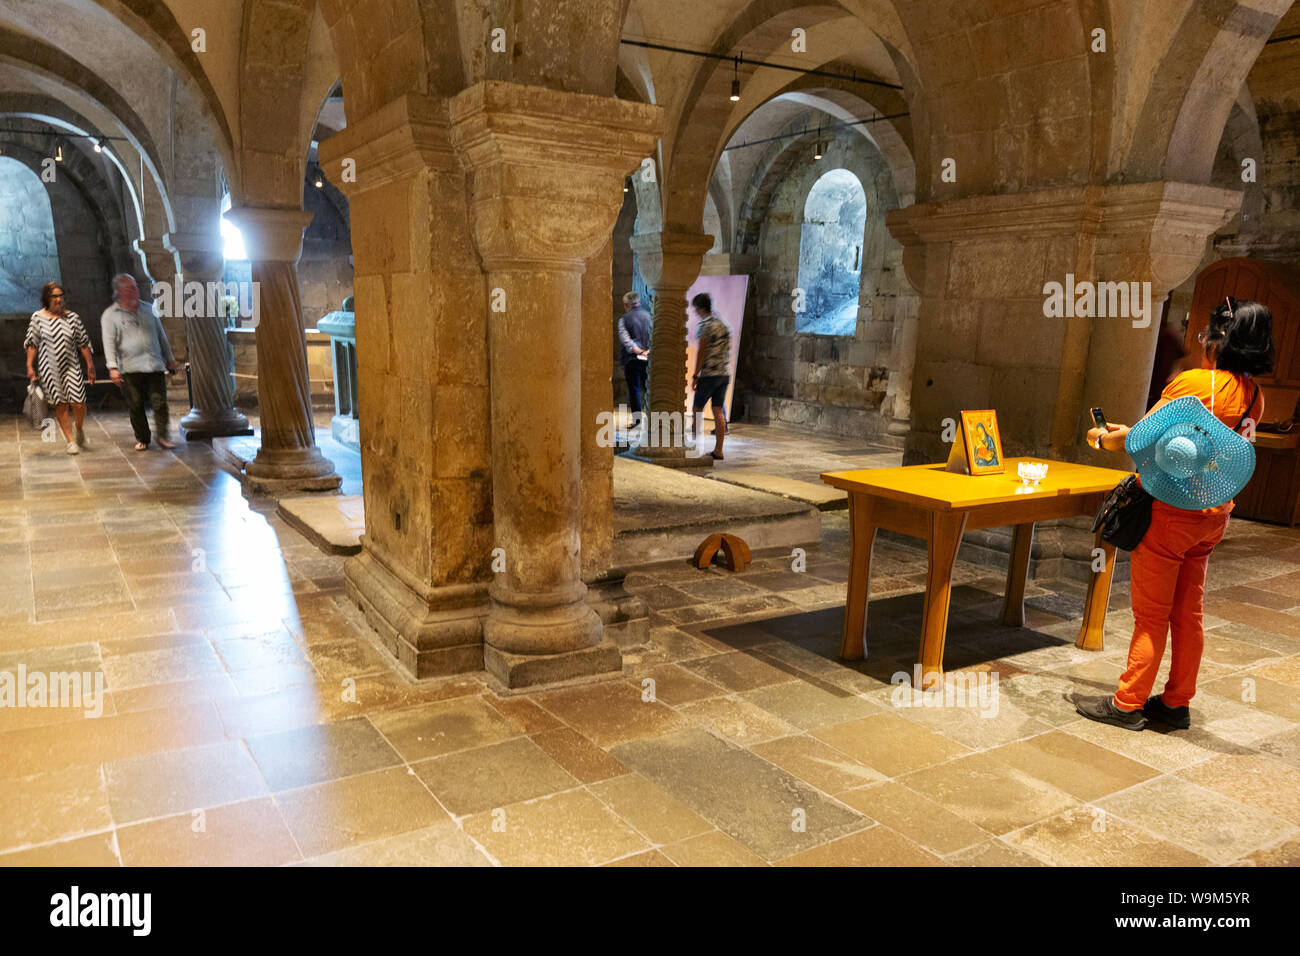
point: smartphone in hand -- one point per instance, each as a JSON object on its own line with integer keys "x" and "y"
{"x": 1099, "y": 419}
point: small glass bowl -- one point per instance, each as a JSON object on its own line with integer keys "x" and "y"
{"x": 1031, "y": 473}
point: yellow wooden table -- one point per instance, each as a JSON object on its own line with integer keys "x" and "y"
{"x": 926, "y": 501}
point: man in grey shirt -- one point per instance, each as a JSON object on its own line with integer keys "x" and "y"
{"x": 634, "y": 336}
{"x": 136, "y": 352}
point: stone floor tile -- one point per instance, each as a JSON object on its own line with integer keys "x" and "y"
{"x": 826, "y": 768}
{"x": 735, "y": 719}
{"x": 567, "y": 829}
{"x": 875, "y": 846}
{"x": 764, "y": 808}
{"x": 808, "y": 707}
{"x": 162, "y": 784}
{"x": 610, "y": 713}
{"x": 470, "y": 781}
{"x": 1089, "y": 836}
{"x": 316, "y": 753}
{"x": 1257, "y": 780}
{"x": 1069, "y": 763}
{"x": 709, "y": 849}
{"x": 915, "y": 816}
{"x": 737, "y": 671}
{"x": 648, "y": 810}
{"x": 578, "y": 755}
{"x": 98, "y": 850}
{"x": 889, "y": 744}
{"x": 443, "y": 844}
{"x": 355, "y": 810}
{"x": 989, "y": 792}
{"x": 250, "y": 833}
{"x": 53, "y": 806}
{"x": 1207, "y": 823}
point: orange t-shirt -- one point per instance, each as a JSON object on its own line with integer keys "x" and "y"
{"x": 1231, "y": 393}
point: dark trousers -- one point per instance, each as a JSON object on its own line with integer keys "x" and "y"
{"x": 140, "y": 387}
{"x": 635, "y": 371}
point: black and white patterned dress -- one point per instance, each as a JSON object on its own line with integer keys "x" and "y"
{"x": 58, "y": 340}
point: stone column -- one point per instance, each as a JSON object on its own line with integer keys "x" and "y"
{"x": 670, "y": 262}
{"x": 622, "y": 614}
{"x": 422, "y": 376}
{"x": 198, "y": 258}
{"x": 287, "y": 459}
{"x": 547, "y": 173}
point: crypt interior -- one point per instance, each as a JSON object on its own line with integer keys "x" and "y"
{"x": 397, "y": 598}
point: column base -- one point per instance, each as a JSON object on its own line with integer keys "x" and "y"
{"x": 624, "y": 617}
{"x": 899, "y": 427}
{"x": 431, "y": 635}
{"x": 516, "y": 671}
{"x": 201, "y": 426}
{"x": 276, "y": 470}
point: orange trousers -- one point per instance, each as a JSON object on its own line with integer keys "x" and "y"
{"x": 1167, "y": 581}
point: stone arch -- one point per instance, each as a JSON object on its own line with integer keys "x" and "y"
{"x": 85, "y": 178}
{"x": 154, "y": 23}
{"x": 62, "y": 72}
{"x": 706, "y": 121}
{"x": 1202, "y": 67}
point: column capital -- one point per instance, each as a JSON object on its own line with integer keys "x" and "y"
{"x": 271, "y": 234}
{"x": 671, "y": 258}
{"x": 406, "y": 135}
{"x": 1166, "y": 223}
{"x": 546, "y": 167}
{"x": 158, "y": 259}
{"x": 199, "y": 255}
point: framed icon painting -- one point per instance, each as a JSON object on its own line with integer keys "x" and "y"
{"x": 983, "y": 441}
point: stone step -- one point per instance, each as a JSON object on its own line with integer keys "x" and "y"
{"x": 334, "y": 523}
{"x": 822, "y": 497}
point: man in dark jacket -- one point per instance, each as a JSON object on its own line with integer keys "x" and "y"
{"x": 634, "y": 336}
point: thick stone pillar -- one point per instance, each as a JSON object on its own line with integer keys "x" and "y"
{"x": 422, "y": 374}
{"x": 622, "y": 614}
{"x": 985, "y": 339}
{"x": 198, "y": 258}
{"x": 547, "y": 173}
{"x": 670, "y": 262}
{"x": 288, "y": 459}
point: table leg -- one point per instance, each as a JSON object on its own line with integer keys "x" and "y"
{"x": 942, "y": 544}
{"x": 862, "y": 538}
{"x": 1013, "y": 604}
{"x": 1094, "y": 608}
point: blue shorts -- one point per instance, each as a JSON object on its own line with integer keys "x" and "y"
{"x": 712, "y": 387}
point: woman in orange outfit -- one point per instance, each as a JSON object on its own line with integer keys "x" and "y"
{"x": 1167, "y": 569}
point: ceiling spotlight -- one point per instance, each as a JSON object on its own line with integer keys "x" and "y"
{"x": 98, "y": 148}
{"x": 817, "y": 153}
{"x": 320, "y": 183}
{"x": 735, "y": 80}
{"x": 58, "y": 156}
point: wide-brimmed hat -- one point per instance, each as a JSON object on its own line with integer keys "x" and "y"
{"x": 1189, "y": 459}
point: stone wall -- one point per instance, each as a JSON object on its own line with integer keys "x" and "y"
{"x": 827, "y": 384}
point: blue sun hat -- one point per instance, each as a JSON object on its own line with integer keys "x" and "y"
{"x": 1189, "y": 459}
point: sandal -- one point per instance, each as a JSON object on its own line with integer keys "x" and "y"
{"x": 166, "y": 444}
{"x": 140, "y": 446}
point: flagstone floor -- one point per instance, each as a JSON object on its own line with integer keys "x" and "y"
{"x": 248, "y": 719}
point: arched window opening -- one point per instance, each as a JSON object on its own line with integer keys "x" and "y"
{"x": 29, "y": 252}
{"x": 830, "y": 254}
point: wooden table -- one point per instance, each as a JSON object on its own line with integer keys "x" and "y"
{"x": 926, "y": 501}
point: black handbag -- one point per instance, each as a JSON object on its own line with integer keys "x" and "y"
{"x": 1124, "y": 515}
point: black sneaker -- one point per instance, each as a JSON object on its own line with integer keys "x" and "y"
{"x": 1157, "y": 710}
{"x": 1103, "y": 709}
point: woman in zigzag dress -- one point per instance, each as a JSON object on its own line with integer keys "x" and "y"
{"x": 54, "y": 338}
